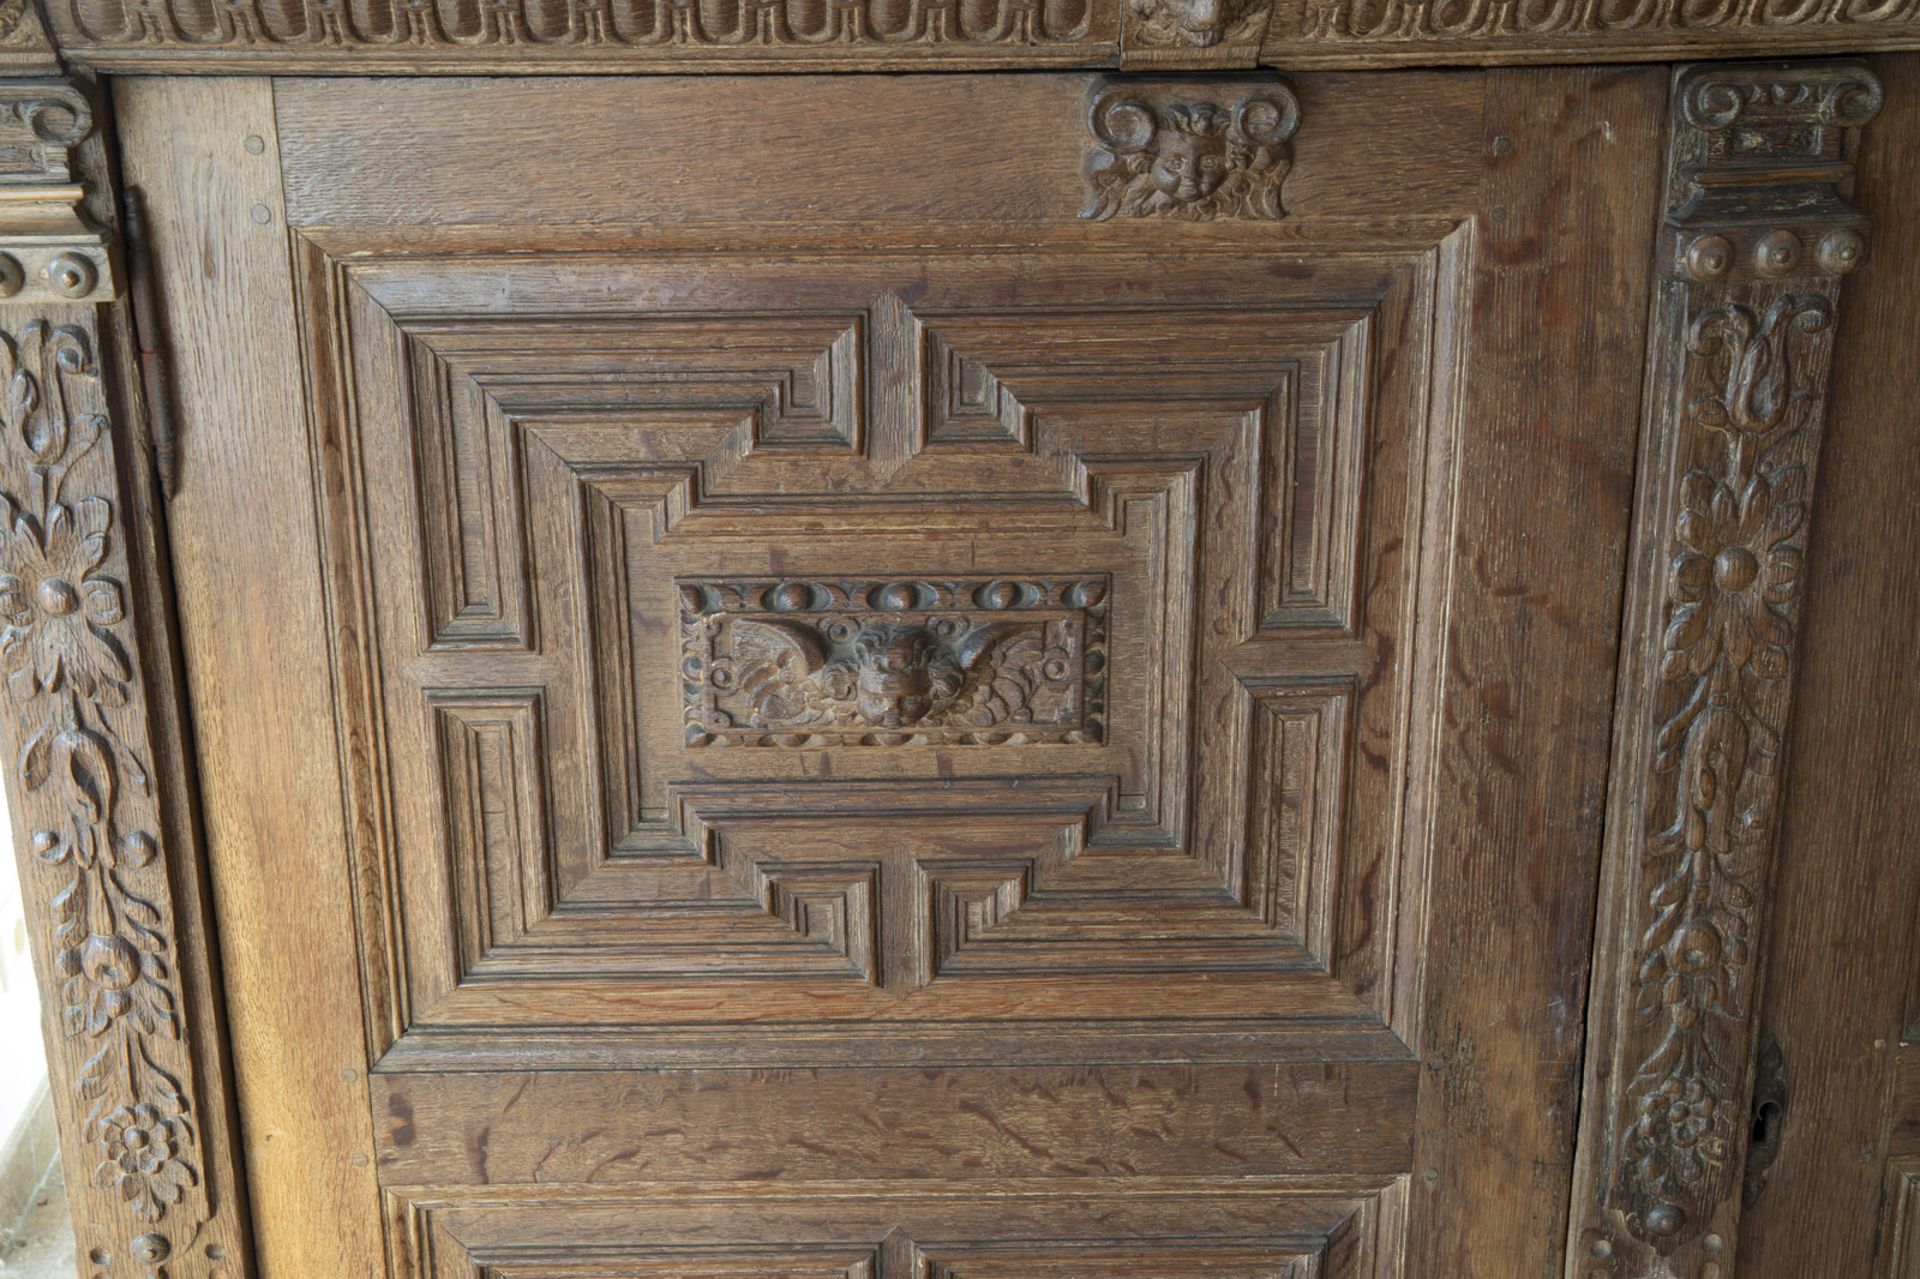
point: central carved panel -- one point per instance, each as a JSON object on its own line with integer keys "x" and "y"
{"x": 820, "y": 662}
{"x": 808, "y": 653}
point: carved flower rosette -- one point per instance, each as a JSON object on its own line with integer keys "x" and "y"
{"x": 66, "y": 651}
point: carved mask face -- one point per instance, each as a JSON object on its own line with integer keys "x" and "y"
{"x": 1190, "y": 166}
{"x": 1204, "y": 21}
{"x": 894, "y": 686}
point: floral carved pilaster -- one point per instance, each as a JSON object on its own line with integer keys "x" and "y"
{"x": 1758, "y": 236}
{"x": 114, "y": 900}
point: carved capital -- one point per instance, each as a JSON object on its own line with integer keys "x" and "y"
{"x": 1759, "y": 234}
{"x": 1760, "y": 154}
{"x": 51, "y": 250}
{"x": 93, "y": 779}
{"x": 1193, "y": 150}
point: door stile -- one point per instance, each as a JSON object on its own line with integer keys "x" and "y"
{"x": 1756, "y": 239}
{"x": 97, "y": 779}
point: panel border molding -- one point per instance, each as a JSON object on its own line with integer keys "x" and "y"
{"x": 1757, "y": 237}
{"x": 1339, "y": 1227}
{"x": 103, "y": 831}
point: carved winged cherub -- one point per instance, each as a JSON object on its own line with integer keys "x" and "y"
{"x": 891, "y": 675}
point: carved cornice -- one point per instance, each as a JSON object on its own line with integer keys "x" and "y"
{"x": 550, "y": 36}
{"x": 133, "y": 1048}
{"x": 1758, "y": 234}
{"x": 1380, "y": 32}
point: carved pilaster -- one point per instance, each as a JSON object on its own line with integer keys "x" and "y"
{"x": 114, "y": 899}
{"x": 1758, "y": 235}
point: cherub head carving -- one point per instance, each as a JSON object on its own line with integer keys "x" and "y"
{"x": 896, "y": 673}
{"x": 1192, "y": 158}
{"x": 1196, "y": 160}
{"x": 1198, "y": 24}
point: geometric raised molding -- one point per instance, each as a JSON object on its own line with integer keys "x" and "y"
{"x": 1756, "y": 239}
{"x": 871, "y": 672}
{"x": 803, "y": 662}
{"x": 1303, "y": 1233}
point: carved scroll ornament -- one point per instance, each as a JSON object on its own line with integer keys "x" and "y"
{"x": 817, "y": 662}
{"x": 50, "y": 249}
{"x": 1194, "y": 151}
{"x": 1757, "y": 236}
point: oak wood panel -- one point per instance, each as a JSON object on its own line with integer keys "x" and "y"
{"x": 1389, "y": 1041}
{"x": 605, "y": 1128}
{"x": 256, "y": 663}
{"x": 1074, "y": 936}
{"x": 490, "y": 152}
{"x": 1675, "y": 1061}
{"x": 1899, "y": 1233}
{"x": 1842, "y": 953}
{"x": 1540, "y": 531}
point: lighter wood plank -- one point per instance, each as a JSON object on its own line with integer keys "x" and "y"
{"x": 252, "y": 629}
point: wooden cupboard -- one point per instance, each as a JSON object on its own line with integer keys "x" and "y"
{"x": 1173, "y": 652}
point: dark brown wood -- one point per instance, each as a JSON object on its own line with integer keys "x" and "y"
{"x": 1756, "y": 238}
{"x": 873, "y": 722}
{"x": 1842, "y": 960}
{"x": 1544, "y": 485}
{"x": 924, "y": 677}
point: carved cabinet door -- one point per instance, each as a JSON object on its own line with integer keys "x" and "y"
{"x": 968, "y": 676}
